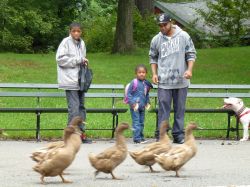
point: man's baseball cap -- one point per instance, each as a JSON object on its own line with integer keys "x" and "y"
{"x": 163, "y": 18}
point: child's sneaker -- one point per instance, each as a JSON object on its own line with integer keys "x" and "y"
{"x": 143, "y": 141}
{"x": 137, "y": 142}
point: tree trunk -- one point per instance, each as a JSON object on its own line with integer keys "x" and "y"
{"x": 144, "y": 6}
{"x": 123, "y": 41}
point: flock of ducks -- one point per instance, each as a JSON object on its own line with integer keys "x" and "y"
{"x": 53, "y": 159}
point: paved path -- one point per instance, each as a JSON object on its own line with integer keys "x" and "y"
{"x": 214, "y": 165}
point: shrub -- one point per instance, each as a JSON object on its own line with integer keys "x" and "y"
{"x": 16, "y": 43}
{"x": 99, "y": 33}
{"x": 145, "y": 28}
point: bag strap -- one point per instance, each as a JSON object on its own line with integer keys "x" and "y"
{"x": 135, "y": 85}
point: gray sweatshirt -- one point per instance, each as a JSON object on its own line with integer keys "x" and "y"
{"x": 171, "y": 54}
{"x": 70, "y": 54}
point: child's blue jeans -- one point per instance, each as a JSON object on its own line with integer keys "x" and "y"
{"x": 138, "y": 124}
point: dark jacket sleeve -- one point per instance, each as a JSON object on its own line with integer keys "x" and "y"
{"x": 131, "y": 99}
{"x": 147, "y": 98}
{"x": 190, "y": 52}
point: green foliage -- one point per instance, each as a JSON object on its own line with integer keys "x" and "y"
{"x": 29, "y": 26}
{"x": 99, "y": 30}
{"x": 229, "y": 16}
{"x": 107, "y": 6}
{"x": 99, "y": 33}
{"x": 98, "y": 21}
{"x": 145, "y": 28}
{"x": 177, "y": 1}
{"x": 39, "y": 26}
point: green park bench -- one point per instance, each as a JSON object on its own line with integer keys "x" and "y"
{"x": 42, "y": 94}
{"x": 208, "y": 91}
{"x": 195, "y": 91}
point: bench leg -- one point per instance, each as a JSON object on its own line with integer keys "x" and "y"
{"x": 116, "y": 120}
{"x": 38, "y": 115}
{"x": 228, "y": 125}
{"x": 237, "y": 128}
{"x": 113, "y": 125}
{"x": 156, "y": 125}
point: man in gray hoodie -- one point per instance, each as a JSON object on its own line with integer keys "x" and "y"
{"x": 172, "y": 56}
{"x": 71, "y": 53}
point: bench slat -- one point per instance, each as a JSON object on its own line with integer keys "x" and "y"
{"x": 59, "y": 94}
{"x": 219, "y": 86}
{"x": 61, "y": 110}
{"x": 55, "y": 86}
{"x": 210, "y": 95}
{"x": 119, "y": 95}
{"x": 218, "y": 95}
{"x": 216, "y": 86}
{"x": 120, "y": 86}
{"x": 200, "y": 110}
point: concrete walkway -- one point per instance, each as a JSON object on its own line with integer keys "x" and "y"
{"x": 214, "y": 165}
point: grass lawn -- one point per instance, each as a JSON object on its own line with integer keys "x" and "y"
{"x": 214, "y": 66}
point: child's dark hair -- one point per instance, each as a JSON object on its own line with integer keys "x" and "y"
{"x": 75, "y": 25}
{"x": 141, "y": 66}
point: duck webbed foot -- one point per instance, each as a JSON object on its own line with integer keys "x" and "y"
{"x": 42, "y": 179}
{"x": 95, "y": 174}
{"x": 152, "y": 170}
{"x": 114, "y": 177}
{"x": 177, "y": 174}
{"x": 64, "y": 180}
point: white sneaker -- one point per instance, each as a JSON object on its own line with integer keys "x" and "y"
{"x": 144, "y": 141}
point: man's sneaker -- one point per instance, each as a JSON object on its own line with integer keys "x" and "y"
{"x": 178, "y": 141}
{"x": 85, "y": 139}
{"x": 88, "y": 141}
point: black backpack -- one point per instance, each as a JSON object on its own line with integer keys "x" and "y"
{"x": 85, "y": 78}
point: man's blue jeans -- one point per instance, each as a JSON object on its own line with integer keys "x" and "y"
{"x": 165, "y": 97}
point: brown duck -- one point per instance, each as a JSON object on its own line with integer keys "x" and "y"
{"x": 54, "y": 161}
{"x": 109, "y": 159}
{"x": 40, "y": 153}
{"x": 146, "y": 155}
{"x": 179, "y": 155}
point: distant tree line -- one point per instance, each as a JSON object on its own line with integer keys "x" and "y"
{"x": 117, "y": 26}
{"x": 31, "y": 25}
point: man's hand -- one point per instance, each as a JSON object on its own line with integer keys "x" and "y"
{"x": 85, "y": 61}
{"x": 154, "y": 73}
{"x": 155, "y": 79}
{"x": 188, "y": 74}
